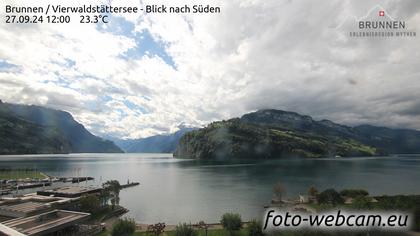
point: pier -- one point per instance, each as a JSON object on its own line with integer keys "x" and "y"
{"x": 130, "y": 185}
{"x": 33, "y": 185}
{"x": 19, "y": 179}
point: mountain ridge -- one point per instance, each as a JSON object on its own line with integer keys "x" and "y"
{"x": 72, "y": 137}
{"x": 153, "y": 144}
{"x": 271, "y": 133}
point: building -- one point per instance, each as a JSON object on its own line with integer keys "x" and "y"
{"x": 20, "y": 208}
{"x": 69, "y": 191}
{"x": 4, "y": 230}
{"x": 28, "y": 205}
{"x": 303, "y": 199}
{"x": 52, "y": 222}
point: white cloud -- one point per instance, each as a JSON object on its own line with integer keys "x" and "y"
{"x": 291, "y": 55}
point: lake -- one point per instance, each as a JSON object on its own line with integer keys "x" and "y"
{"x": 173, "y": 190}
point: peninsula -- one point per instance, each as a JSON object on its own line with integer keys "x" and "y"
{"x": 271, "y": 134}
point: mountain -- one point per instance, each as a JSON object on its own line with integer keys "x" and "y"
{"x": 391, "y": 140}
{"x": 18, "y": 136}
{"x": 153, "y": 144}
{"x": 276, "y": 134}
{"x": 34, "y": 129}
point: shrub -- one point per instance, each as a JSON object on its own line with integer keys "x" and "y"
{"x": 417, "y": 219}
{"x": 354, "y": 193}
{"x": 185, "y": 230}
{"x": 231, "y": 222}
{"x": 362, "y": 202}
{"x": 90, "y": 203}
{"x": 254, "y": 228}
{"x": 123, "y": 227}
{"x": 156, "y": 229}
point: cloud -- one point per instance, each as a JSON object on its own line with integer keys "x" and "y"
{"x": 146, "y": 74}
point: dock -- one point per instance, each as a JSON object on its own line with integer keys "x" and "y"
{"x": 33, "y": 185}
{"x": 81, "y": 179}
{"x": 70, "y": 191}
{"x": 130, "y": 185}
{"x": 5, "y": 191}
{"x": 74, "y": 179}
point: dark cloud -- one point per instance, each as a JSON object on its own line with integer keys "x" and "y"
{"x": 290, "y": 55}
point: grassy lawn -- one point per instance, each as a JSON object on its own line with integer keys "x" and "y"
{"x": 21, "y": 174}
{"x": 213, "y": 232}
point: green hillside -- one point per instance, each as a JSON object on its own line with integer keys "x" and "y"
{"x": 277, "y": 134}
{"x": 35, "y": 130}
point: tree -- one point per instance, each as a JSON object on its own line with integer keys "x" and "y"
{"x": 330, "y": 196}
{"x": 90, "y": 203}
{"x": 312, "y": 191}
{"x": 254, "y": 228}
{"x": 123, "y": 227}
{"x": 113, "y": 188}
{"x": 185, "y": 230}
{"x": 279, "y": 190}
{"x": 231, "y": 222}
{"x": 104, "y": 197}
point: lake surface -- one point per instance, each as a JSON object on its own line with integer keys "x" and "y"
{"x": 174, "y": 190}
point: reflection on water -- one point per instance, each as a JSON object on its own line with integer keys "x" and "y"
{"x": 174, "y": 190}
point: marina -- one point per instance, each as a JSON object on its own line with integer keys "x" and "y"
{"x": 60, "y": 210}
{"x": 177, "y": 189}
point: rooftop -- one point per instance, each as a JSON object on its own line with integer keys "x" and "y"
{"x": 28, "y": 205}
{"x": 24, "y": 207}
{"x": 20, "y": 207}
{"x": 45, "y": 223}
{"x": 70, "y": 191}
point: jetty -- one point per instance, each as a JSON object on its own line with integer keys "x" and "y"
{"x": 74, "y": 179}
{"x": 5, "y": 191}
{"x": 33, "y": 185}
{"x": 132, "y": 184}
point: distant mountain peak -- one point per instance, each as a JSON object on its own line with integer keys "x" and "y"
{"x": 154, "y": 144}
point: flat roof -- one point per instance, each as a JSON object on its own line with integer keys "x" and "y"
{"x": 4, "y": 230}
{"x": 69, "y": 191}
{"x": 47, "y": 222}
{"x": 24, "y": 207}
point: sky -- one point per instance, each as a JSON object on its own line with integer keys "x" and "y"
{"x": 147, "y": 74}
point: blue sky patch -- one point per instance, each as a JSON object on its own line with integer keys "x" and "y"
{"x": 117, "y": 25}
{"x": 135, "y": 107}
{"x": 8, "y": 67}
{"x": 147, "y": 45}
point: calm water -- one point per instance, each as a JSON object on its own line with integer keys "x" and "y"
{"x": 175, "y": 190}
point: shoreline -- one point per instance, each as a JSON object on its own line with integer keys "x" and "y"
{"x": 142, "y": 227}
